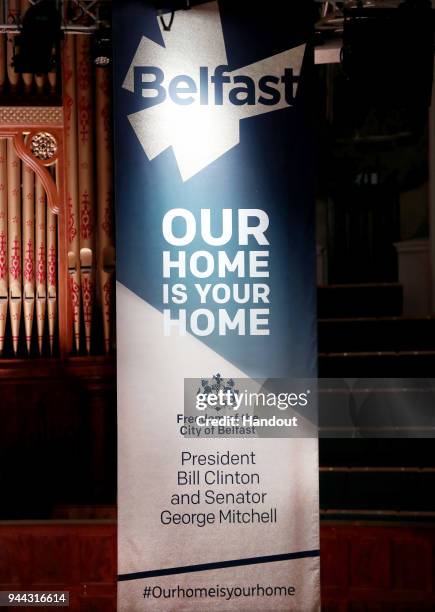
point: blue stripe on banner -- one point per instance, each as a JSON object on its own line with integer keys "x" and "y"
{"x": 203, "y": 567}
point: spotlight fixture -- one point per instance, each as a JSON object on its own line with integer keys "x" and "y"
{"x": 40, "y": 34}
{"x": 387, "y": 53}
{"x": 164, "y": 7}
{"x": 170, "y": 6}
{"x": 102, "y": 47}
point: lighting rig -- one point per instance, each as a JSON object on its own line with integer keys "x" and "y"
{"x": 40, "y": 29}
{"x": 386, "y": 48}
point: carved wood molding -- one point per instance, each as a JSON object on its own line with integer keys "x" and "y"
{"x": 25, "y": 153}
{"x": 45, "y": 122}
{"x": 31, "y": 116}
{"x": 39, "y": 166}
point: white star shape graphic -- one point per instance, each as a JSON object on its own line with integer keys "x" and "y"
{"x": 199, "y": 134}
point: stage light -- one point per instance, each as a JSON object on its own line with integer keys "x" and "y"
{"x": 388, "y": 53}
{"x": 170, "y": 6}
{"x": 40, "y": 34}
{"x": 164, "y": 7}
{"x": 102, "y": 48}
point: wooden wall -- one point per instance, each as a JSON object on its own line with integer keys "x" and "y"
{"x": 365, "y": 568}
{"x": 79, "y": 558}
{"x": 57, "y": 435}
{"x": 368, "y": 568}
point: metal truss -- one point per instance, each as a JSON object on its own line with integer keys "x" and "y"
{"x": 77, "y": 15}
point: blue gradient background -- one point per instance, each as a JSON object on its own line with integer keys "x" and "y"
{"x": 270, "y": 169}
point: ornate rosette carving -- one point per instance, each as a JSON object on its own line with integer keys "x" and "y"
{"x": 43, "y": 145}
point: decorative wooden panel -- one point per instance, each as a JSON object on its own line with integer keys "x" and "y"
{"x": 335, "y": 558}
{"x": 365, "y": 568}
{"x": 389, "y": 568}
{"x": 58, "y": 434}
{"x": 369, "y": 563}
{"x": 411, "y": 559}
{"x": 79, "y": 558}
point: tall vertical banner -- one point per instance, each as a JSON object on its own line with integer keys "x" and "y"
{"x": 215, "y": 285}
